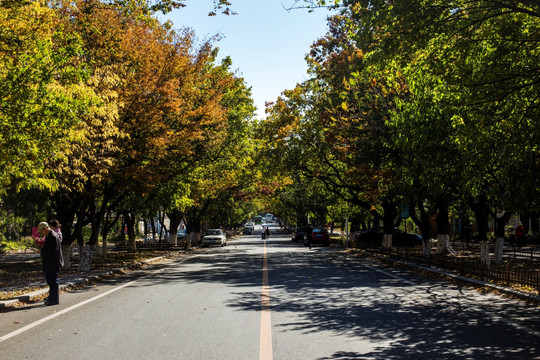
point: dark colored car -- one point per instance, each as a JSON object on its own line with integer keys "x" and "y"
{"x": 319, "y": 236}
{"x": 374, "y": 237}
{"x": 299, "y": 234}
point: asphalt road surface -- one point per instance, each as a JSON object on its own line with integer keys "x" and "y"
{"x": 272, "y": 299}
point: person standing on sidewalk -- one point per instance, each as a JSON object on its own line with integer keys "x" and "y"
{"x": 51, "y": 253}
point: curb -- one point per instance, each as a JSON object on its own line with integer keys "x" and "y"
{"x": 37, "y": 294}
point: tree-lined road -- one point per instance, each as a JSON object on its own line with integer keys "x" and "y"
{"x": 322, "y": 304}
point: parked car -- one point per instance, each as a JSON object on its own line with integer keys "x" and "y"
{"x": 181, "y": 234}
{"x": 214, "y": 237}
{"x": 374, "y": 237}
{"x": 299, "y": 234}
{"x": 319, "y": 236}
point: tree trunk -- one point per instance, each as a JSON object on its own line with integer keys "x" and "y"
{"x": 426, "y": 247}
{"x": 484, "y": 253}
{"x": 172, "y": 239}
{"x": 153, "y": 226}
{"x": 443, "y": 233}
{"x": 85, "y": 258}
{"x": 193, "y": 232}
{"x": 423, "y": 224}
{"x": 66, "y": 253}
{"x": 96, "y": 225}
{"x": 443, "y": 244}
{"x": 500, "y": 223}
{"x": 499, "y": 249}
{"x": 130, "y": 224}
{"x": 107, "y": 226}
{"x": 535, "y": 222}
{"x": 387, "y": 241}
{"x": 390, "y": 212}
{"x": 175, "y": 218}
{"x": 481, "y": 214}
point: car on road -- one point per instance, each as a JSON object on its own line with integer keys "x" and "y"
{"x": 214, "y": 237}
{"x": 319, "y": 236}
{"x": 249, "y": 227}
{"x": 374, "y": 237}
{"x": 299, "y": 234}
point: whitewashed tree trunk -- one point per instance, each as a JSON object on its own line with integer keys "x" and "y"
{"x": 387, "y": 241}
{"x": 443, "y": 244}
{"x": 499, "y": 248}
{"x": 85, "y": 258}
{"x": 426, "y": 247}
{"x": 66, "y": 253}
{"x": 172, "y": 239}
{"x": 189, "y": 237}
{"x": 192, "y": 237}
{"x": 484, "y": 253}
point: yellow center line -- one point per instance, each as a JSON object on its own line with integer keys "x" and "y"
{"x": 265, "y": 347}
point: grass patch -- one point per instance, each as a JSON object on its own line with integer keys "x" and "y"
{"x": 22, "y": 244}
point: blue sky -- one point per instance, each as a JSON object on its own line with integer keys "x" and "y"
{"x": 266, "y": 43}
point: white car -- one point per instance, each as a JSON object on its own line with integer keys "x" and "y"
{"x": 214, "y": 237}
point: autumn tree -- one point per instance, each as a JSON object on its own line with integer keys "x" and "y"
{"x": 222, "y": 168}
{"x": 160, "y": 109}
{"x": 336, "y": 125}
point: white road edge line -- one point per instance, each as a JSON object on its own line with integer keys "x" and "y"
{"x": 391, "y": 275}
{"x": 61, "y": 312}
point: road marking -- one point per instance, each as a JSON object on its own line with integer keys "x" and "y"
{"x": 265, "y": 347}
{"x": 62, "y": 312}
{"x": 391, "y": 275}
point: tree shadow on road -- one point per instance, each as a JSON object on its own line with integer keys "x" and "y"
{"x": 324, "y": 290}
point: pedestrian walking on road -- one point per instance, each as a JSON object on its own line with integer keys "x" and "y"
{"x": 309, "y": 234}
{"x": 267, "y": 232}
{"x": 263, "y": 233}
{"x": 51, "y": 253}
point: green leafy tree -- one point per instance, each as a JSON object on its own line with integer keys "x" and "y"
{"x": 42, "y": 93}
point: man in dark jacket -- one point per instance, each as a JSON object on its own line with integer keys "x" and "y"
{"x": 309, "y": 235}
{"x": 51, "y": 253}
